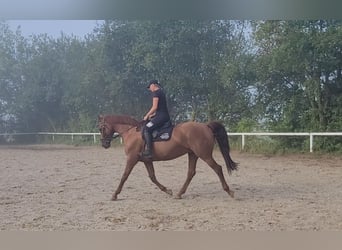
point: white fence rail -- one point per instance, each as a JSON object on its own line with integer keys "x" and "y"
{"x": 311, "y": 135}
{"x": 54, "y": 134}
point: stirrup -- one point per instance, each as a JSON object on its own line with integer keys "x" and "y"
{"x": 146, "y": 154}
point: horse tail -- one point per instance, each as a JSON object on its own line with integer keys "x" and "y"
{"x": 221, "y": 137}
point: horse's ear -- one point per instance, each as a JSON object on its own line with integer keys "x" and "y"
{"x": 100, "y": 117}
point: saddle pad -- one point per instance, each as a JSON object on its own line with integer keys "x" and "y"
{"x": 162, "y": 134}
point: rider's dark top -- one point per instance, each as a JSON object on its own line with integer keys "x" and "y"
{"x": 162, "y": 114}
{"x": 162, "y": 110}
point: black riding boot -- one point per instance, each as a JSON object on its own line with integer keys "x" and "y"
{"x": 148, "y": 149}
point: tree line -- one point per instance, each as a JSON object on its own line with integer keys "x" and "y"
{"x": 251, "y": 75}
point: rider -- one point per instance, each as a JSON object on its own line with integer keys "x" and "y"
{"x": 156, "y": 116}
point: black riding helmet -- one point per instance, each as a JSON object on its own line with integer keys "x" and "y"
{"x": 153, "y": 82}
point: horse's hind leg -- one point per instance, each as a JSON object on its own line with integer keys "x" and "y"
{"x": 218, "y": 170}
{"x": 150, "y": 170}
{"x": 191, "y": 173}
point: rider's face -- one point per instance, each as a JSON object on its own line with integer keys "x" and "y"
{"x": 153, "y": 87}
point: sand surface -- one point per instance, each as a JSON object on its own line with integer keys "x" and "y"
{"x": 59, "y": 187}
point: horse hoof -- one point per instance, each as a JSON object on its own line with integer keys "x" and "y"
{"x": 231, "y": 193}
{"x": 114, "y": 198}
{"x": 169, "y": 192}
{"x": 178, "y": 197}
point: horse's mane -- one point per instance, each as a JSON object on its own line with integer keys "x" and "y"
{"x": 121, "y": 119}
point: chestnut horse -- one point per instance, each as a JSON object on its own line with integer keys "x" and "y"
{"x": 192, "y": 138}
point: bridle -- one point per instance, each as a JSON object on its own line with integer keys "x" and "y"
{"x": 108, "y": 138}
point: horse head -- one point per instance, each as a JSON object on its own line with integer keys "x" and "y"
{"x": 106, "y": 131}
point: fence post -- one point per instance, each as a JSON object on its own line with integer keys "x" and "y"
{"x": 94, "y": 138}
{"x": 243, "y": 141}
{"x": 311, "y": 142}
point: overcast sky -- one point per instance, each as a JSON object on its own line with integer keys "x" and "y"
{"x": 54, "y": 28}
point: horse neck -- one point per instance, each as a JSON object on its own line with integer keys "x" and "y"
{"x": 121, "y": 124}
{"x": 121, "y": 128}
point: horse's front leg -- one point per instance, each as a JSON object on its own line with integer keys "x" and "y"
{"x": 150, "y": 170}
{"x": 131, "y": 162}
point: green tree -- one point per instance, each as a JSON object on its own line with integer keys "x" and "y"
{"x": 299, "y": 72}
{"x": 12, "y": 61}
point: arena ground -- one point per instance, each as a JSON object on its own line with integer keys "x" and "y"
{"x": 60, "y": 187}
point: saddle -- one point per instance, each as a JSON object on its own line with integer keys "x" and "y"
{"x": 162, "y": 133}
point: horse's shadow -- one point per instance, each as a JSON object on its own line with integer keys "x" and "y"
{"x": 268, "y": 192}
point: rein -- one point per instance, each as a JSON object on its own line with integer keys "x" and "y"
{"x": 116, "y": 135}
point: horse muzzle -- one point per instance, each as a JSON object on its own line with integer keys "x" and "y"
{"x": 106, "y": 142}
